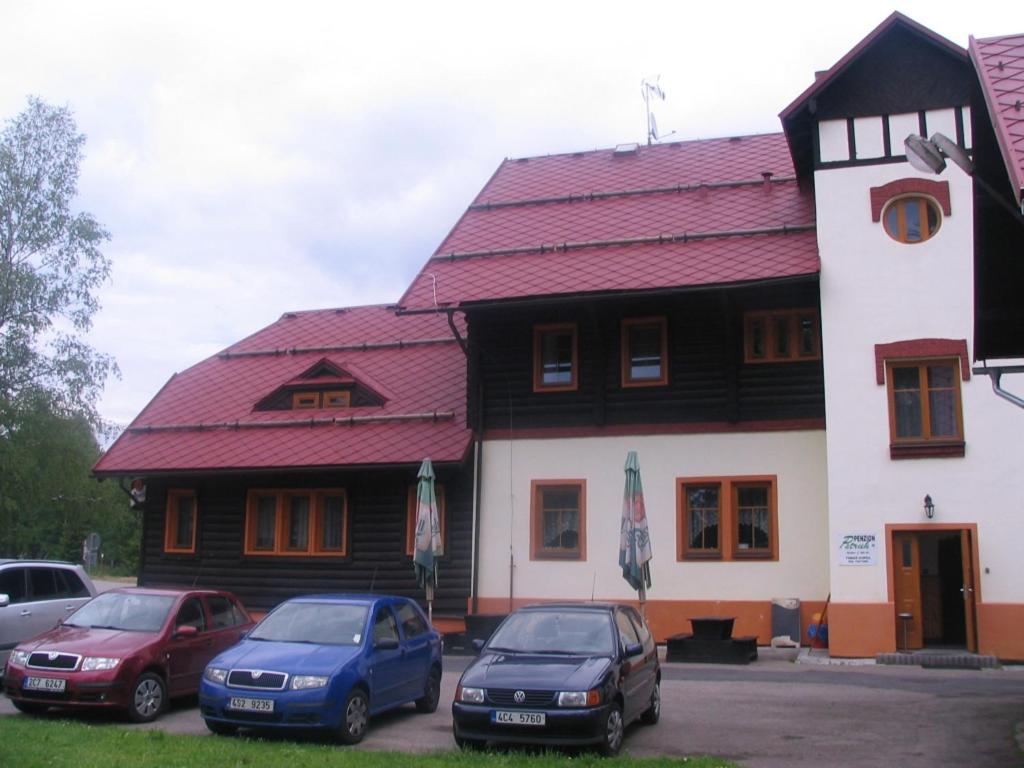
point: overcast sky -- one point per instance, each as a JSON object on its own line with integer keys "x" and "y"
{"x": 252, "y": 158}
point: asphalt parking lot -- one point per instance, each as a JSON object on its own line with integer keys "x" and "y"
{"x": 771, "y": 714}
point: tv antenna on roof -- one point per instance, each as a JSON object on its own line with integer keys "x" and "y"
{"x": 649, "y": 88}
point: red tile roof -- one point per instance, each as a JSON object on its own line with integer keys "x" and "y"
{"x": 999, "y": 62}
{"x": 665, "y": 216}
{"x": 203, "y": 418}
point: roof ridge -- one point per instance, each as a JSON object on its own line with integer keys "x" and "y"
{"x": 313, "y": 421}
{"x": 365, "y": 346}
{"x": 641, "y": 147}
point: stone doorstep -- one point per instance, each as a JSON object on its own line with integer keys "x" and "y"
{"x": 939, "y": 660}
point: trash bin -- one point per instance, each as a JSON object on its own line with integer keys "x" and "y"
{"x": 786, "y": 619}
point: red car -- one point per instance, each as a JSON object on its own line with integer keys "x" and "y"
{"x": 130, "y": 649}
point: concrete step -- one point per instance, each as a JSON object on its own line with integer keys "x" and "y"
{"x": 939, "y": 660}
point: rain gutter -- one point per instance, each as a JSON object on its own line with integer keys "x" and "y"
{"x": 995, "y": 372}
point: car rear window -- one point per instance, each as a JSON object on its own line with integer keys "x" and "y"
{"x": 70, "y": 585}
{"x": 42, "y": 584}
{"x": 321, "y": 623}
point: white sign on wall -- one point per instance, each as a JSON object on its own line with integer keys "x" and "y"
{"x": 858, "y": 549}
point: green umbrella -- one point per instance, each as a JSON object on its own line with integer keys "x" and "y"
{"x": 428, "y": 534}
{"x": 634, "y": 538}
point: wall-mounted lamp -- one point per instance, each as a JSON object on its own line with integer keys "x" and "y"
{"x": 929, "y": 507}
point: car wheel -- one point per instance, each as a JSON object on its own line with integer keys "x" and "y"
{"x": 653, "y": 712}
{"x": 469, "y": 745}
{"x": 614, "y": 726}
{"x": 149, "y": 695}
{"x": 221, "y": 729}
{"x": 427, "y": 703}
{"x": 354, "y": 718}
{"x": 29, "y": 708}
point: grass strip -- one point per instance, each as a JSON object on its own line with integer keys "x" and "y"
{"x": 28, "y": 743}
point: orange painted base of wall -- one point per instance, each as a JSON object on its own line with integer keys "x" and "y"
{"x": 1001, "y": 630}
{"x": 858, "y": 630}
{"x": 672, "y": 617}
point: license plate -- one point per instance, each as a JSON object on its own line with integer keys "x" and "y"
{"x": 251, "y": 705}
{"x": 55, "y": 684}
{"x": 504, "y": 717}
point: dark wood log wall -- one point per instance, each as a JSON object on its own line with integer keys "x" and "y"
{"x": 708, "y": 380}
{"x": 376, "y": 559}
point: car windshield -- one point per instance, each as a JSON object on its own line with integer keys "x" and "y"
{"x": 121, "y": 610}
{"x": 584, "y": 633}
{"x": 322, "y": 623}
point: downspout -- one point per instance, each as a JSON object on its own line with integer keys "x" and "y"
{"x": 478, "y": 456}
{"x": 995, "y": 373}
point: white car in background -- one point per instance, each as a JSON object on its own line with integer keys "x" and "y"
{"x": 35, "y": 595}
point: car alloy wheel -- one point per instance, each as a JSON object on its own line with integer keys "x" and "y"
{"x": 653, "y": 712}
{"x": 148, "y": 697}
{"x": 613, "y": 730}
{"x": 354, "y": 718}
{"x": 431, "y": 693}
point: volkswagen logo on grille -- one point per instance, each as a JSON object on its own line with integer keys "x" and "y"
{"x": 257, "y": 674}
{"x": 519, "y": 697}
{"x": 52, "y": 655}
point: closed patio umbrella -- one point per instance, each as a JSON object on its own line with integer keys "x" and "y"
{"x": 428, "y": 534}
{"x": 634, "y": 538}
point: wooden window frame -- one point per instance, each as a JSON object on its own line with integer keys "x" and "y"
{"x": 171, "y": 521}
{"x": 297, "y": 397}
{"x": 770, "y": 319}
{"x": 538, "y": 363}
{"x": 410, "y": 518}
{"x": 728, "y": 518}
{"x": 683, "y": 549}
{"x": 925, "y": 446}
{"x": 282, "y": 512}
{"x": 924, "y": 202}
{"x": 344, "y": 394}
{"x": 537, "y": 550}
{"x": 626, "y": 358}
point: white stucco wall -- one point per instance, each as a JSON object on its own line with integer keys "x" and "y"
{"x": 797, "y": 458}
{"x": 875, "y": 290}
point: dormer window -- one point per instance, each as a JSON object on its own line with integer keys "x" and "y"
{"x": 328, "y": 399}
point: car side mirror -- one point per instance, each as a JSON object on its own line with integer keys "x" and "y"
{"x": 634, "y": 649}
{"x": 478, "y": 644}
{"x": 186, "y": 630}
{"x": 385, "y": 644}
{"x": 5, "y": 600}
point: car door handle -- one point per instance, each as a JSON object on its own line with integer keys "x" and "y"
{"x": 69, "y": 607}
{"x": 26, "y": 613}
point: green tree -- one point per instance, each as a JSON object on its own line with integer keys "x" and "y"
{"x": 49, "y": 502}
{"x": 50, "y": 268}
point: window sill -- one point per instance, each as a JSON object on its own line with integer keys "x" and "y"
{"x": 571, "y": 556}
{"x": 701, "y": 556}
{"x": 934, "y": 450}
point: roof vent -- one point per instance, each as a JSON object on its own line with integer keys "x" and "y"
{"x": 626, "y": 149}
{"x": 289, "y": 315}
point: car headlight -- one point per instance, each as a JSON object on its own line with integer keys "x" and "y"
{"x": 99, "y": 663}
{"x": 19, "y": 658}
{"x": 470, "y": 695}
{"x": 589, "y": 698}
{"x": 302, "y": 682}
{"x": 215, "y": 675}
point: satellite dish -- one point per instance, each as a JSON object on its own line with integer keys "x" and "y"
{"x": 954, "y": 152}
{"x": 923, "y": 154}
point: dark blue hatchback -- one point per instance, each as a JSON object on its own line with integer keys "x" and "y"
{"x": 325, "y": 661}
{"x": 560, "y": 674}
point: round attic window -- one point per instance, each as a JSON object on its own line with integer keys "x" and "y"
{"x": 911, "y": 219}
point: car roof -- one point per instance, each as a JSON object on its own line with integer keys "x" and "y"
{"x": 9, "y": 560}
{"x": 345, "y": 598}
{"x": 595, "y": 607}
{"x": 168, "y": 591}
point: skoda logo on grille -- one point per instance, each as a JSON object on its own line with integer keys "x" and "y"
{"x": 257, "y": 674}
{"x": 52, "y": 655}
{"x": 519, "y": 696}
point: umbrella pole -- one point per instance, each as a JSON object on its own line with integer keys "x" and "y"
{"x": 430, "y": 603}
{"x": 643, "y": 600}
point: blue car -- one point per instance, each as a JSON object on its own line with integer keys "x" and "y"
{"x": 561, "y": 675}
{"x": 327, "y": 662}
